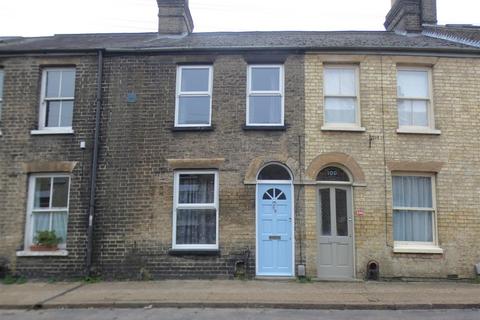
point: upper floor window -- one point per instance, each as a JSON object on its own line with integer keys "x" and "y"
{"x": 265, "y": 95}
{"x": 57, "y": 98}
{"x": 1, "y": 93}
{"x": 194, "y": 96}
{"x": 341, "y": 107}
{"x": 414, "y": 98}
{"x": 48, "y": 201}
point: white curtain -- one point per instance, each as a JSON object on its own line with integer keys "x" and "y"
{"x": 412, "y": 192}
{"x": 413, "y": 225}
{"x": 59, "y": 224}
{"x": 196, "y": 226}
{"x": 412, "y": 83}
{"x": 340, "y": 110}
{"x": 196, "y": 189}
{"x": 41, "y": 222}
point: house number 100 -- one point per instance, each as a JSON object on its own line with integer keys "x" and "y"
{"x": 332, "y": 172}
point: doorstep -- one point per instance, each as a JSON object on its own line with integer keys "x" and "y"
{"x": 355, "y": 280}
{"x": 275, "y": 278}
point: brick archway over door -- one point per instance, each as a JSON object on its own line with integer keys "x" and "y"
{"x": 333, "y": 158}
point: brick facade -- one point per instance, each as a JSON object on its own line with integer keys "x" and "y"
{"x": 140, "y": 149}
{"x": 139, "y": 152}
{"x": 380, "y": 149}
{"x": 22, "y": 153}
{"x": 133, "y": 227}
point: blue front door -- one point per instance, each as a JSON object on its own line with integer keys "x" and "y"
{"x": 274, "y": 230}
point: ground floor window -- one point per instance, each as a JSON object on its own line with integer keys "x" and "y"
{"x": 414, "y": 209}
{"x": 195, "y": 210}
{"x": 48, "y": 201}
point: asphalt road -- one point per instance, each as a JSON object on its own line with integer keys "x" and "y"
{"x": 235, "y": 314}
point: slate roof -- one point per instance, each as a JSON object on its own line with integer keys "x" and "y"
{"x": 300, "y": 40}
{"x": 465, "y": 34}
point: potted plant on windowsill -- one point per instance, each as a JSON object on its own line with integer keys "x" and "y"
{"x": 45, "y": 241}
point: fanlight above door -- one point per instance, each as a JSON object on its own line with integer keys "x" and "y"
{"x": 274, "y": 194}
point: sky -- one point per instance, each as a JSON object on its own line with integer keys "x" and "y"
{"x": 48, "y": 17}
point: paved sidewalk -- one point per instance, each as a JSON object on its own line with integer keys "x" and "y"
{"x": 245, "y": 294}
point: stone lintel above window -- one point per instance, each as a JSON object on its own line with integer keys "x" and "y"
{"x": 198, "y": 163}
{"x": 415, "y": 166}
{"x": 265, "y": 58}
{"x": 48, "y": 166}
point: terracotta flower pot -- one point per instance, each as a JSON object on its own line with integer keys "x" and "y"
{"x": 43, "y": 247}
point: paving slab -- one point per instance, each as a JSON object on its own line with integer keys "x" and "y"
{"x": 276, "y": 294}
{"x": 232, "y": 293}
{"x": 29, "y": 294}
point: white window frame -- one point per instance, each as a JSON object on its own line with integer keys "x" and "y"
{"x": 29, "y": 236}
{"x": 280, "y": 92}
{"x": 212, "y": 206}
{"x": 418, "y": 246}
{"x": 42, "y": 129}
{"x": 193, "y": 93}
{"x": 343, "y": 126}
{"x": 430, "y": 128}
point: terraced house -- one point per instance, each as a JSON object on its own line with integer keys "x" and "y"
{"x": 336, "y": 155}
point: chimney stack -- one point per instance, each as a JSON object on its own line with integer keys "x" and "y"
{"x": 174, "y": 17}
{"x": 411, "y": 15}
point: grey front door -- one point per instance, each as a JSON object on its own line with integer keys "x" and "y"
{"x": 335, "y": 233}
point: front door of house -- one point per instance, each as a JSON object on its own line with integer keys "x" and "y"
{"x": 274, "y": 230}
{"x": 335, "y": 233}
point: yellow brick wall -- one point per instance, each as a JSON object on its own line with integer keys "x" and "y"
{"x": 456, "y": 92}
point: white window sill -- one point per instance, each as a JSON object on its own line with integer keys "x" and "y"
{"x": 194, "y": 125}
{"x": 419, "y": 131}
{"x": 343, "y": 128}
{"x": 52, "y": 131}
{"x": 56, "y": 253}
{"x": 417, "y": 249}
{"x": 193, "y": 248}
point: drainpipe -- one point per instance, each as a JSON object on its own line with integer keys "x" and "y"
{"x": 93, "y": 176}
